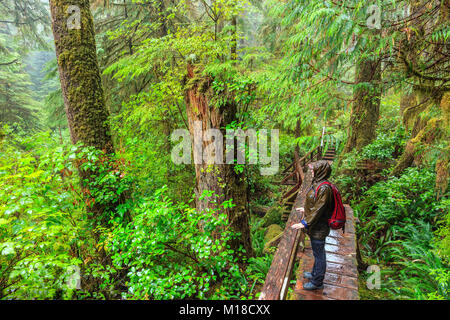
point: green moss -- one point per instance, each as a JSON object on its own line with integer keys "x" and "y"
{"x": 445, "y": 108}
{"x": 273, "y": 216}
{"x": 371, "y": 294}
{"x": 272, "y": 238}
{"x": 80, "y": 76}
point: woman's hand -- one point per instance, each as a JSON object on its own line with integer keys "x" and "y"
{"x": 301, "y": 209}
{"x": 297, "y": 226}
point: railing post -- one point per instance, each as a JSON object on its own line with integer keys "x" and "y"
{"x": 321, "y": 138}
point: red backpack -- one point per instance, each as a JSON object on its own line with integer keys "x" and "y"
{"x": 337, "y": 220}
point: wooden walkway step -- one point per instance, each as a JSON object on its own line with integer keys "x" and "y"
{"x": 341, "y": 278}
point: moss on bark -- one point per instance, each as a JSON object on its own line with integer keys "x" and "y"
{"x": 221, "y": 178}
{"x": 425, "y": 136}
{"x": 82, "y": 90}
{"x": 366, "y": 107}
{"x": 80, "y": 75}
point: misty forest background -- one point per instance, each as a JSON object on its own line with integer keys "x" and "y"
{"x": 86, "y": 179}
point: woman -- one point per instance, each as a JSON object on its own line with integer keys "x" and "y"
{"x": 318, "y": 208}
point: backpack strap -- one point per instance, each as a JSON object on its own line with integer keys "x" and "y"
{"x": 317, "y": 190}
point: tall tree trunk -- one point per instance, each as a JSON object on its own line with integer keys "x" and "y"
{"x": 222, "y": 179}
{"x": 82, "y": 87}
{"x": 425, "y": 131}
{"x": 234, "y": 39}
{"x": 366, "y": 105}
{"x": 80, "y": 75}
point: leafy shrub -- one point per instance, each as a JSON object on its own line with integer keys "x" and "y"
{"x": 442, "y": 240}
{"x": 257, "y": 235}
{"x": 108, "y": 183}
{"x": 391, "y": 138}
{"x": 398, "y": 218}
{"x": 397, "y": 201}
{"x": 385, "y": 145}
{"x": 167, "y": 256}
{"x": 420, "y": 272}
{"x": 410, "y": 196}
{"x": 41, "y": 221}
{"x": 257, "y": 271}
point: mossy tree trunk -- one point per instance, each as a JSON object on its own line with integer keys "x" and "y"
{"x": 419, "y": 108}
{"x": 425, "y": 131}
{"x": 82, "y": 88}
{"x": 425, "y": 136}
{"x": 222, "y": 179}
{"x": 366, "y": 105}
{"x": 80, "y": 75}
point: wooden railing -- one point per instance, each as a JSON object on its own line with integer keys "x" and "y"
{"x": 298, "y": 166}
{"x": 280, "y": 272}
{"x": 311, "y": 156}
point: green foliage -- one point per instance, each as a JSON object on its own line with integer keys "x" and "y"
{"x": 18, "y": 105}
{"x": 397, "y": 221}
{"x": 442, "y": 240}
{"x": 257, "y": 235}
{"x": 41, "y": 219}
{"x": 390, "y": 140}
{"x": 403, "y": 199}
{"x": 419, "y": 272}
{"x": 257, "y": 269}
{"x": 294, "y": 70}
{"x": 108, "y": 182}
{"x": 168, "y": 257}
{"x": 384, "y": 146}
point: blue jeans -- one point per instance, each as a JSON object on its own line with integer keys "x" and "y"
{"x": 320, "y": 261}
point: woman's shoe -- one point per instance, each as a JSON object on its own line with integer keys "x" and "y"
{"x": 311, "y": 286}
{"x": 307, "y": 275}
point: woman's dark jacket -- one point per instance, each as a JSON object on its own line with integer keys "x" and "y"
{"x": 319, "y": 209}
